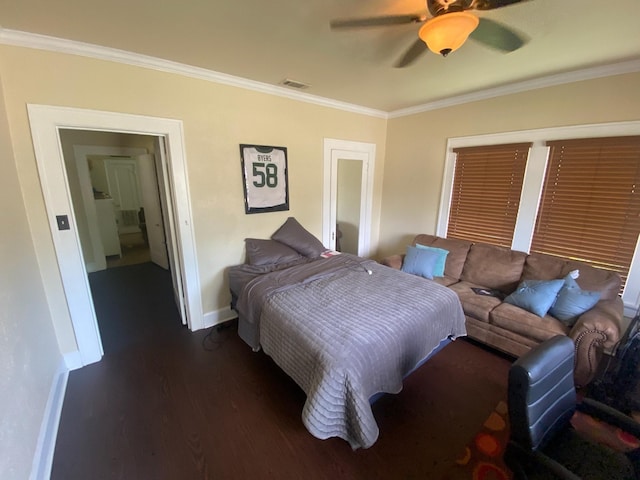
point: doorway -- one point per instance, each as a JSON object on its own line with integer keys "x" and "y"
{"x": 118, "y": 183}
{"x": 348, "y": 191}
{"x": 46, "y": 123}
{"x": 105, "y": 240}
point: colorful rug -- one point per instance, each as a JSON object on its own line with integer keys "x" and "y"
{"x": 482, "y": 457}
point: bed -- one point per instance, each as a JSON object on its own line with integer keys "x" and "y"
{"x": 342, "y": 327}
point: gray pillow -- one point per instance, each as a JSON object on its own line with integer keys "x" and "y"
{"x": 294, "y": 235}
{"x": 266, "y": 252}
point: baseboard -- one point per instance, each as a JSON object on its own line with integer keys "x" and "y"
{"x": 218, "y": 316}
{"x": 43, "y": 456}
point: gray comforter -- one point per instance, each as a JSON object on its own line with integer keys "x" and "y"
{"x": 344, "y": 334}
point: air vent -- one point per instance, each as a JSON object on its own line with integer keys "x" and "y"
{"x": 287, "y": 82}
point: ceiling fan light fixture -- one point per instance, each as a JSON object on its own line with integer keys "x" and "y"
{"x": 446, "y": 33}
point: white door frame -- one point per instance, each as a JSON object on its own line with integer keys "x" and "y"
{"x": 335, "y": 150}
{"x": 46, "y": 121}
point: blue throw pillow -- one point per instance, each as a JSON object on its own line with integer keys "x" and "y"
{"x": 536, "y": 296}
{"x": 419, "y": 261}
{"x": 572, "y": 302}
{"x": 438, "y": 269}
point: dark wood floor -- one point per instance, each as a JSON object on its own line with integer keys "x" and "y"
{"x": 171, "y": 404}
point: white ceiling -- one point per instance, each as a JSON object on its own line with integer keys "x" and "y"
{"x": 268, "y": 41}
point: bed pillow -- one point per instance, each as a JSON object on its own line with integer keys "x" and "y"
{"x": 573, "y": 301}
{"x": 267, "y": 252}
{"x": 420, "y": 261}
{"x": 292, "y": 234}
{"x": 438, "y": 269}
{"x": 536, "y": 296}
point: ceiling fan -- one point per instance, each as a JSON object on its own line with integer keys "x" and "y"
{"x": 447, "y": 28}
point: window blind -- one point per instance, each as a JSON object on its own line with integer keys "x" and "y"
{"x": 486, "y": 192}
{"x": 590, "y": 205}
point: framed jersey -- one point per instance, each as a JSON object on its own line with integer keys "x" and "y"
{"x": 265, "y": 178}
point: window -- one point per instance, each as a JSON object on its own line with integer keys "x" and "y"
{"x": 540, "y": 164}
{"x": 590, "y": 205}
{"x": 486, "y": 192}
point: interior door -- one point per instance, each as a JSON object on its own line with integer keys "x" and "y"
{"x": 170, "y": 229}
{"x": 152, "y": 210}
{"x": 122, "y": 176}
{"x": 363, "y": 155}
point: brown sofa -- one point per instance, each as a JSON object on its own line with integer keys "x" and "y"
{"x": 512, "y": 329}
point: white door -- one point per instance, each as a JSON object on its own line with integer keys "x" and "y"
{"x": 336, "y": 151}
{"x": 122, "y": 176}
{"x": 170, "y": 228}
{"x": 152, "y": 210}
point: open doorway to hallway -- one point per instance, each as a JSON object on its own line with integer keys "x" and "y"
{"x": 46, "y": 123}
{"x": 115, "y": 191}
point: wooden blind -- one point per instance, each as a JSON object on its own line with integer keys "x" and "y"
{"x": 486, "y": 192}
{"x": 590, "y": 205}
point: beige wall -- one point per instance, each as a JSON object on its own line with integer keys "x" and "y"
{"x": 29, "y": 355}
{"x": 416, "y": 144}
{"x": 216, "y": 119}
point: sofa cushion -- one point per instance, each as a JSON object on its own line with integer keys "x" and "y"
{"x": 441, "y": 258}
{"x": 419, "y": 261}
{"x": 595, "y": 279}
{"x": 539, "y": 266}
{"x": 536, "y": 296}
{"x": 457, "y": 249}
{"x": 500, "y": 338}
{"x": 573, "y": 301}
{"x": 474, "y": 305}
{"x": 526, "y": 323}
{"x": 445, "y": 281}
{"x": 493, "y": 267}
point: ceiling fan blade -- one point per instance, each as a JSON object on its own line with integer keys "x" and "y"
{"x": 495, "y": 35}
{"x": 492, "y": 4}
{"x": 441, "y": 7}
{"x": 416, "y": 49}
{"x": 376, "y": 21}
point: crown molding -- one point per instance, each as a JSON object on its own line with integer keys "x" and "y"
{"x": 43, "y": 42}
{"x": 53, "y": 44}
{"x": 630, "y": 66}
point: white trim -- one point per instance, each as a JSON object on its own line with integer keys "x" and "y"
{"x": 57, "y": 196}
{"x": 218, "y": 316}
{"x": 530, "y": 195}
{"x": 365, "y": 152}
{"x": 620, "y": 68}
{"x": 53, "y": 44}
{"x": 73, "y": 360}
{"x": 45, "y": 123}
{"x": 532, "y": 187}
{"x": 60, "y": 45}
{"x": 45, "y": 447}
